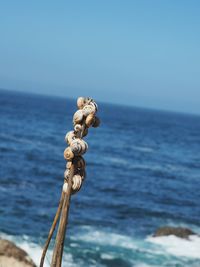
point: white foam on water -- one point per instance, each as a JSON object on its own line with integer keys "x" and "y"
{"x": 35, "y": 250}
{"x": 189, "y": 248}
{"x": 105, "y": 238}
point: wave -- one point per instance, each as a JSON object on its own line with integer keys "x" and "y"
{"x": 107, "y": 248}
{"x": 177, "y": 246}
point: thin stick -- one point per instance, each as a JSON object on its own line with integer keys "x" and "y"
{"x": 53, "y": 226}
{"x": 60, "y": 237}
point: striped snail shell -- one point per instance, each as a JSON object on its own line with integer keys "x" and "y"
{"x": 78, "y": 147}
{"x": 93, "y": 103}
{"x": 87, "y": 109}
{"x": 78, "y": 117}
{"x": 96, "y": 122}
{"x": 68, "y": 154}
{"x": 90, "y": 120}
{"x": 80, "y": 162}
{"x": 69, "y": 137}
{"x": 76, "y": 182}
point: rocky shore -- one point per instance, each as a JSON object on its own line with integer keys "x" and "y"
{"x": 11, "y": 255}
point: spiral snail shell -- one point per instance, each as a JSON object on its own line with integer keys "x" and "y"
{"x": 78, "y": 116}
{"x": 87, "y": 109}
{"x": 68, "y": 154}
{"x": 96, "y": 122}
{"x": 69, "y": 137}
{"x": 78, "y": 128}
{"x": 78, "y": 147}
{"x": 90, "y": 120}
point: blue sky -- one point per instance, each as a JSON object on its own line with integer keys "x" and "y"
{"x": 140, "y": 53}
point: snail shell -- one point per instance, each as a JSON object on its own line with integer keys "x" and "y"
{"x": 82, "y": 173}
{"x": 93, "y": 103}
{"x": 96, "y": 122}
{"x": 65, "y": 187}
{"x": 90, "y": 120}
{"x": 76, "y": 183}
{"x": 68, "y": 154}
{"x": 80, "y": 162}
{"x": 78, "y": 128}
{"x": 78, "y": 117}
{"x": 66, "y": 173}
{"x": 78, "y": 147}
{"x": 69, "y": 137}
{"x": 87, "y": 109}
{"x": 81, "y": 102}
{"x": 69, "y": 164}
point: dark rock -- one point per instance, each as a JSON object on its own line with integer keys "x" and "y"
{"x": 177, "y": 231}
{"x": 10, "y": 253}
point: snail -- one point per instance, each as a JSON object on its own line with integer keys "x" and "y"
{"x": 66, "y": 173}
{"x": 80, "y": 102}
{"x": 69, "y": 137}
{"x": 96, "y": 122}
{"x": 69, "y": 164}
{"x": 94, "y": 104}
{"x": 87, "y": 109}
{"x": 78, "y": 117}
{"x": 78, "y": 128}
{"x": 80, "y": 162}
{"x": 90, "y": 120}
{"x": 68, "y": 154}
{"x": 78, "y": 147}
{"x": 76, "y": 182}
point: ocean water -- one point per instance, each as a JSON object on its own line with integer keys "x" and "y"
{"x": 143, "y": 172}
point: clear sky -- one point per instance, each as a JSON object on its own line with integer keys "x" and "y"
{"x": 140, "y": 53}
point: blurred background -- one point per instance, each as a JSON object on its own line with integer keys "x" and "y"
{"x": 140, "y": 61}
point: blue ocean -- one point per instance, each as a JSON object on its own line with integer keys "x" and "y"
{"x": 143, "y": 172}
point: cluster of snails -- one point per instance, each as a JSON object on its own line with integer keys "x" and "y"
{"x": 83, "y": 118}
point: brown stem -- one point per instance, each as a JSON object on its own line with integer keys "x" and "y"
{"x": 60, "y": 237}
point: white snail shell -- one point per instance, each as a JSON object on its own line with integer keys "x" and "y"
{"x": 65, "y": 187}
{"x": 78, "y": 117}
{"x": 68, "y": 154}
{"x": 87, "y": 109}
{"x": 90, "y": 120}
{"x": 69, "y": 137}
{"x": 78, "y": 128}
{"x": 80, "y": 102}
{"x": 66, "y": 173}
{"x": 96, "y": 122}
{"x": 69, "y": 164}
{"x": 78, "y": 147}
{"x": 76, "y": 182}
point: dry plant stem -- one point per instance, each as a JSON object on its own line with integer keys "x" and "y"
{"x": 52, "y": 230}
{"x": 60, "y": 238}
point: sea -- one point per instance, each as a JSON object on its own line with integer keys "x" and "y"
{"x": 143, "y": 172}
